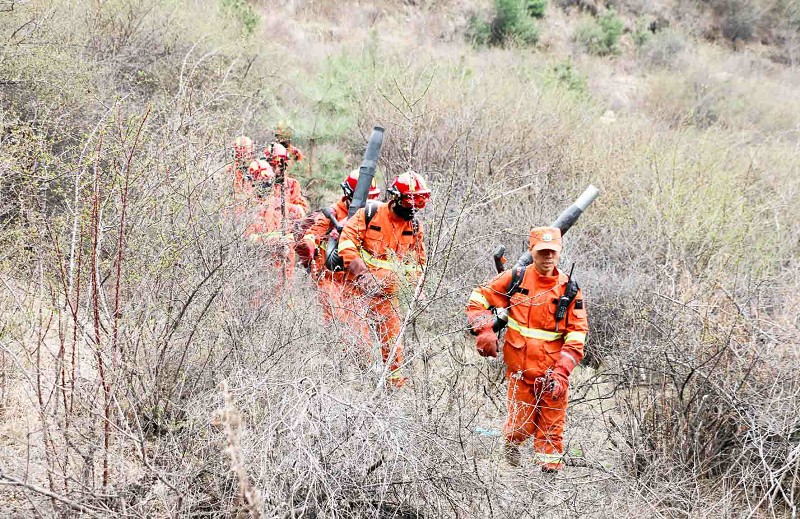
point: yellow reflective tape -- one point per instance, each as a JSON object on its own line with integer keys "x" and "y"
{"x": 278, "y": 234}
{"x": 543, "y": 457}
{"x": 575, "y": 337}
{"x": 533, "y": 333}
{"x": 479, "y": 298}
{"x": 406, "y": 268}
{"x": 346, "y": 244}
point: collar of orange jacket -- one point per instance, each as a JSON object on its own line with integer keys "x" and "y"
{"x": 544, "y": 281}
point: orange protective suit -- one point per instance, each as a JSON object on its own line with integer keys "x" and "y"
{"x": 533, "y": 348}
{"x": 266, "y": 226}
{"x": 390, "y": 247}
{"x": 294, "y": 153}
{"x": 330, "y": 284}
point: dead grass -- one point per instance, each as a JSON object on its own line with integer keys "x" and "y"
{"x": 688, "y": 261}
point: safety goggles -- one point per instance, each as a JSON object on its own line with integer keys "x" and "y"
{"x": 415, "y": 201}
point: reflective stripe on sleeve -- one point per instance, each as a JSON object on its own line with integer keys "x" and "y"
{"x": 575, "y": 337}
{"x": 565, "y": 354}
{"x": 479, "y": 298}
{"x": 346, "y": 244}
{"x": 533, "y": 333}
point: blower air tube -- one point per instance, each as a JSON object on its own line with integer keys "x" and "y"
{"x": 361, "y": 193}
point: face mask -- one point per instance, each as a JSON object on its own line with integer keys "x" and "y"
{"x": 406, "y": 213}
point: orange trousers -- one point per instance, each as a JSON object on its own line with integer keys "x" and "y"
{"x": 278, "y": 257}
{"x": 533, "y": 412}
{"x": 366, "y": 314}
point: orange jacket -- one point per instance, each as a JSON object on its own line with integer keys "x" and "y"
{"x": 319, "y": 232}
{"x": 321, "y": 229}
{"x": 532, "y": 344}
{"x": 294, "y": 197}
{"x": 241, "y": 187}
{"x": 389, "y": 244}
{"x": 294, "y": 153}
{"x": 268, "y": 220}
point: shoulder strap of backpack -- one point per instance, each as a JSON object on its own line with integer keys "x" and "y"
{"x": 369, "y": 211}
{"x": 517, "y": 275}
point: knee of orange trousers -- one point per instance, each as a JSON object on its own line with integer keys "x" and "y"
{"x": 281, "y": 260}
{"x": 330, "y": 298}
{"x": 549, "y": 426}
{"x": 352, "y": 313}
{"x": 386, "y": 317}
{"x": 522, "y": 410}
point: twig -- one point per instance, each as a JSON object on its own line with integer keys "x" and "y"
{"x": 5, "y": 479}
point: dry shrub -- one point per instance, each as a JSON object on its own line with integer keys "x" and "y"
{"x": 688, "y": 262}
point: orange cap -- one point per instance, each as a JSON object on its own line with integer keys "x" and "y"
{"x": 545, "y": 238}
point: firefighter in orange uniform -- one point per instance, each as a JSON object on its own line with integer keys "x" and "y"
{"x": 283, "y": 135}
{"x": 312, "y": 249}
{"x": 539, "y": 351}
{"x": 380, "y": 244}
{"x": 267, "y": 226}
{"x": 243, "y": 155}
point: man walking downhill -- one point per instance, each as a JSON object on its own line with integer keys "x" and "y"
{"x": 380, "y": 244}
{"x": 540, "y": 351}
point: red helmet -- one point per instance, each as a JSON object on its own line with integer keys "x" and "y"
{"x": 410, "y": 190}
{"x": 243, "y": 148}
{"x": 276, "y": 154}
{"x": 349, "y": 186}
{"x": 261, "y": 173}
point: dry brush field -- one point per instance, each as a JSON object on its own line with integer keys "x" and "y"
{"x": 146, "y": 370}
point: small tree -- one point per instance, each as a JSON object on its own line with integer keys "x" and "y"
{"x": 509, "y": 22}
{"x": 600, "y": 36}
{"x": 537, "y": 8}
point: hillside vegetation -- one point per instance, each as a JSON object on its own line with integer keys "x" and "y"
{"x": 145, "y": 372}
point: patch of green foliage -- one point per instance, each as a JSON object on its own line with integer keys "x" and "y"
{"x": 568, "y": 77}
{"x": 333, "y": 164}
{"x": 536, "y": 8}
{"x": 508, "y": 22}
{"x": 243, "y": 13}
{"x": 641, "y": 33}
{"x": 600, "y": 36}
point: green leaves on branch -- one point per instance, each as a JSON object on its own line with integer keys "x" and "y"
{"x": 600, "y": 36}
{"x": 509, "y": 22}
{"x": 243, "y": 13}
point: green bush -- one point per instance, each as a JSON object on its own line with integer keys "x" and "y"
{"x": 566, "y": 76}
{"x": 600, "y": 36}
{"x": 508, "y": 22}
{"x": 243, "y": 13}
{"x": 642, "y": 33}
{"x": 537, "y": 8}
{"x": 479, "y": 31}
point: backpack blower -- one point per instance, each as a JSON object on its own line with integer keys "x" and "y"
{"x": 360, "y": 195}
